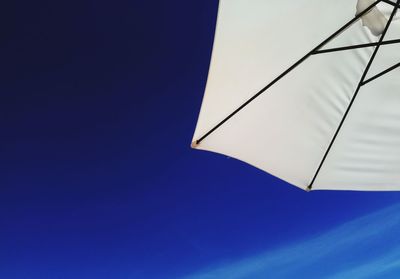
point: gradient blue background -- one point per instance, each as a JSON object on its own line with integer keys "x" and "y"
{"x": 99, "y": 101}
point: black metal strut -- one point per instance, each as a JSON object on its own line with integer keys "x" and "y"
{"x": 381, "y": 74}
{"x": 397, "y": 5}
{"x": 389, "y": 42}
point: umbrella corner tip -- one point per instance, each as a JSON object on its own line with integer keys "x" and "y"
{"x": 194, "y": 144}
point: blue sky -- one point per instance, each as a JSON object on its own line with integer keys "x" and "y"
{"x": 99, "y": 102}
{"x": 356, "y": 249}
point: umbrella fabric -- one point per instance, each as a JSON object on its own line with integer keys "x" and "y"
{"x": 319, "y": 116}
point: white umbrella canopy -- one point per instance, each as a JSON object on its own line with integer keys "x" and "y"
{"x": 308, "y": 91}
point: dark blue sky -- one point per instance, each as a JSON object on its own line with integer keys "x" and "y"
{"x": 99, "y": 100}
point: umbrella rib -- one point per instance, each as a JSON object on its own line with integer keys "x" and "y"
{"x": 305, "y": 57}
{"x": 389, "y": 42}
{"x": 355, "y": 93}
{"x": 391, "y": 3}
{"x": 381, "y": 74}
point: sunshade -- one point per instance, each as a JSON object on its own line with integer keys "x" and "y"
{"x": 308, "y": 91}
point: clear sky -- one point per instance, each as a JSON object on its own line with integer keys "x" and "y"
{"x": 99, "y": 101}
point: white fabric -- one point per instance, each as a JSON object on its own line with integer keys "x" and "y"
{"x": 287, "y": 130}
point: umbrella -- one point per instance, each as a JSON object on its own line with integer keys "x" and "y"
{"x": 308, "y": 91}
